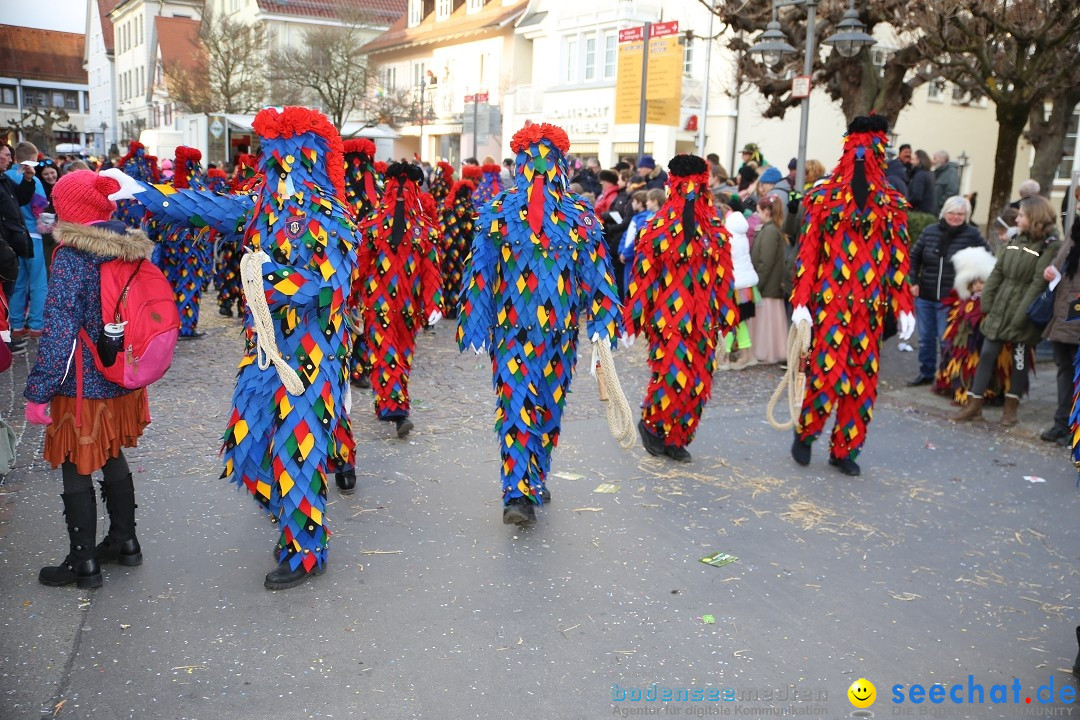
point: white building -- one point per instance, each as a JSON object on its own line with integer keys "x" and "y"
{"x": 135, "y": 52}
{"x": 99, "y": 63}
{"x": 44, "y": 69}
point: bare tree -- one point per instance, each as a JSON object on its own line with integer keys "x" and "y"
{"x": 1014, "y": 53}
{"x": 39, "y": 125}
{"x": 232, "y": 78}
{"x": 1046, "y": 133}
{"x": 858, "y": 84}
{"x": 189, "y": 87}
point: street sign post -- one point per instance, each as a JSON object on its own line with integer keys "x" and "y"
{"x": 649, "y": 80}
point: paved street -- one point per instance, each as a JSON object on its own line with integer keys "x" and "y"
{"x": 940, "y": 562}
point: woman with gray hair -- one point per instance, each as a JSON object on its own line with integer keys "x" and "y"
{"x": 933, "y": 273}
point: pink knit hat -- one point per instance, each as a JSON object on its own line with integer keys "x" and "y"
{"x": 83, "y": 197}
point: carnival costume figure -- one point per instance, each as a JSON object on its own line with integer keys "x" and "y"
{"x": 143, "y": 167}
{"x": 364, "y": 187}
{"x": 490, "y": 184}
{"x": 538, "y": 263}
{"x": 456, "y": 223}
{"x": 442, "y": 179}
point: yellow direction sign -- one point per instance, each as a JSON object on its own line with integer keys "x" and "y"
{"x": 663, "y": 93}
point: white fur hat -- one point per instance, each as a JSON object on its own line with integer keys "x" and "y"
{"x": 973, "y": 263}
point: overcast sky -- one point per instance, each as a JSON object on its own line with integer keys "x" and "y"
{"x": 66, "y": 15}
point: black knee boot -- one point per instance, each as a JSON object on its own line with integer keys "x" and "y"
{"x": 120, "y": 545}
{"x": 81, "y": 565}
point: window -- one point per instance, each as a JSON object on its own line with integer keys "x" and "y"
{"x": 1065, "y": 168}
{"x": 418, "y": 73}
{"x": 71, "y": 101}
{"x": 390, "y": 78}
{"x": 590, "y": 58}
{"x": 935, "y": 92}
{"x": 86, "y": 101}
{"x": 7, "y": 95}
{"x": 416, "y": 13}
{"x": 234, "y": 5}
{"x": 443, "y": 8}
{"x": 168, "y": 113}
{"x": 570, "y": 68}
{"x": 156, "y": 113}
{"x": 610, "y": 56}
{"x": 958, "y": 94}
{"x": 474, "y": 6}
{"x": 688, "y": 58}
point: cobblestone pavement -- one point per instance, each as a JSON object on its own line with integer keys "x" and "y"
{"x": 941, "y": 561}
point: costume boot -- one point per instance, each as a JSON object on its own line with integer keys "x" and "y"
{"x": 1008, "y": 413}
{"x": 120, "y": 544}
{"x": 80, "y": 566}
{"x": 971, "y": 411}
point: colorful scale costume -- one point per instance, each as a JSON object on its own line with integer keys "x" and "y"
{"x": 399, "y": 286}
{"x": 490, "y": 184}
{"x": 960, "y": 346}
{"x": 183, "y": 254}
{"x": 538, "y": 262}
{"x": 1074, "y": 417}
{"x": 456, "y": 222}
{"x": 681, "y": 298}
{"x": 143, "y": 167}
{"x": 216, "y": 181}
{"x": 245, "y": 180}
{"x": 277, "y": 445}
{"x": 851, "y": 270}
{"x": 441, "y": 181}
{"x": 364, "y": 187}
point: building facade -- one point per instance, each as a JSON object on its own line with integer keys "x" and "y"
{"x": 42, "y": 79}
{"x": 99, "y": 63}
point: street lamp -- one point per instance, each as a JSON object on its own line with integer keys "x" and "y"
{"x": 772, "y": 48}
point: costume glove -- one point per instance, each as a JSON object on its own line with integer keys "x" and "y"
{"x": 626, "y": 340}
{"x": 434, "y": 317}
{"x": 38, "y": 413}
{"x": 907, "y": 325}
{"x": 129, "y": 186}
{"x": 801, "y": 314}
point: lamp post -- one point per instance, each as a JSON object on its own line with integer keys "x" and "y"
{"x": 772, "y": 48}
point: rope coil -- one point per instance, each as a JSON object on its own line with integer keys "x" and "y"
{"x": 263, "y": 327}
{"x": 798, "y": 347}
{"x": 620, "y": 416}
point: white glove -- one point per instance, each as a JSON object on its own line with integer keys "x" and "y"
{"x": 595, "y": 337}
{"x": 801, "y": 314}
{"x": 435, "y": 317}
{"x": 129, "y": 186}
{"x": 907, "y": 325}
{"x": 478, "y": 350}
{"x": 626, "y": 340}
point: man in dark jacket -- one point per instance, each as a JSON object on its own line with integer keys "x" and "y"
{"x": 588, "y": 178}
{"x": 946, "y": 178}
{"x": 933, "y": 272}
{"x": 654, "y": 177}
{"x": 12, "y": 196}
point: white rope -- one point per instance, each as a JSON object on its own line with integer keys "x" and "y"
{"x": 620, "y": 417}
{"x": 794, "y": 379}
{"x": 265, "y": 338}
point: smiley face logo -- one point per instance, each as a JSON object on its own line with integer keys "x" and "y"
{"x": 862, "y": 693}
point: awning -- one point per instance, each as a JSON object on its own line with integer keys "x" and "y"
{"x": 432, "y": 129}
{"x": 629, "y": 148}
{"x": 584, "y": 148}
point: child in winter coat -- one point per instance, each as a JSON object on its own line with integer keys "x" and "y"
{"x": 88, "y": 419}
{"x": 645, "y": 204}
{"x": 737, "y": 343}
{"x": 962, "y": 341}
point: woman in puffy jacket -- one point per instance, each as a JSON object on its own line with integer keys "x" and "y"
{"x": 1017, "y": 279}
{"x": 932, "y": 275}
{"x": 738, "y": 343}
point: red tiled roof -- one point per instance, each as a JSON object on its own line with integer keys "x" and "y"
{"x": 383, "y": 11}
{"x": 459, "y": 24}
{"x": 104, "y": 8}
{"x": 33, "y": 54}
{"x": 178, "y": 41}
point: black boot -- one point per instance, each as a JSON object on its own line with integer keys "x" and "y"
{"x": 654, "y": 445}
{"x": 404, "y": 426}
{"x": 677, "y": 453}
{"x": 1076, "y": 664}
{"x": 80, "y": 566}
{"x": 361, "y": 380}
{"x": 346, "y": 480}
{"x": 545, "y": 495}
{"x": 800, "y": 451}
{"x": 225, "y": 310}
{"x": 846, "y": 466}
{"x": 120, "y": 544}
{"x": 282, "y": 578}
{"x": 519, "y": 511}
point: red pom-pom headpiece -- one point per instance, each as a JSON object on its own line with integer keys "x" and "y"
{"x": 294, "y": 121}
{"x": 184, "y": 153}
{"x": 536, "y": 133}
{"x": 362, "y": 146}
{"x": 461, "y": 189}
{"x": 490, "y": 168}
{"x": 472, "y": 172}
{"x": 216, "y": 173}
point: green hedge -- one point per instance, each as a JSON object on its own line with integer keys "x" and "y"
{"x": 917, "y": 222}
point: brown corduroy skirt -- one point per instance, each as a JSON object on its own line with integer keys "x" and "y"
{"x": 107, "y": 426}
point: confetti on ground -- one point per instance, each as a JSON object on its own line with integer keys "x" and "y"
{"x": 569, "y": 476}
{"x": 1034, "y": 479}
{"x": 931, "y": 446}
{"x": 606, "y": 488}
{"x": 719, "y": 559}
{"x": 708, "y": 619}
